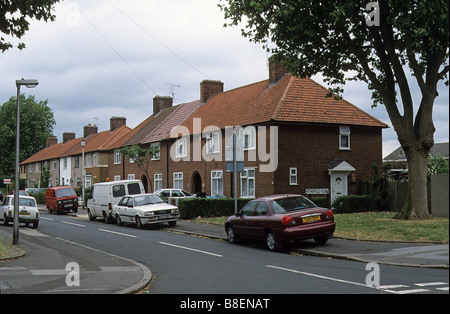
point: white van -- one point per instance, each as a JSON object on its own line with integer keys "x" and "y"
{"x": 107, "y": 194}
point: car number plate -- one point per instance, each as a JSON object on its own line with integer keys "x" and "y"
{"x": 311, "y": 218}
{"x": 68, "y": 205}
{"x": 24, "y": 213}
{"x": 164, "y": 216}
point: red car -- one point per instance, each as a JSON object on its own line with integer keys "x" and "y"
{"x": 281, "y": 219}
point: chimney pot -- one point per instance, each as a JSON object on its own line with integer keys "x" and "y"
{"x": 51, "y": 140}
{"x": 209, "y": 88}
{"x": 276, "y": 71}
{"x": 68, "y": 136}
{"x": 89, "y": 130}
{"x": 161, "y": 103}
{"x": 117, "y": 122}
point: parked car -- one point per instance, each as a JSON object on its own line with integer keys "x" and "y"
{"x": 61, "y": 199}
{"x": 279, "y": 220}
{"x": 105, "y": 195}
{"x": 145, "y": 209}
{"x": 173, "y": 193}
{"x": 28, "y": 211}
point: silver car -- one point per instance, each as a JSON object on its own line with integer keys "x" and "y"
{"x": 142, "y": 209}
{"x": 28, "y": 211}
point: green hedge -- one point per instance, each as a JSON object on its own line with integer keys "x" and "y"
{"x": 356, "y": 204}
{"x": 40, "y": 197}
{"x": 208, "y": 207}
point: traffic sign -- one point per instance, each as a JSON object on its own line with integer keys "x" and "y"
{"x": 6, "y": 181}
{"x": 234, "y": 154}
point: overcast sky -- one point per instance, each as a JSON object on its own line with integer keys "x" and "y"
{"x": 107, "y": 58}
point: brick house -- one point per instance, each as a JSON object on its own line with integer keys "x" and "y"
{"x": 317, "y": 142}
{"x": 153, "y": 131}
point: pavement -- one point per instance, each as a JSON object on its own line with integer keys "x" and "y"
{"x": 42, "y": 264}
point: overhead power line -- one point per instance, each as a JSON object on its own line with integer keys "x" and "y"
{"x": 157, "y": 40}
{"x": 115, "y": 50}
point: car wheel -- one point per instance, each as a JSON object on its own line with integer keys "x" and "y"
{"x": 5, "y": 221}
{"x": 35, "y": 224}
{"x": 91, "y": 218}
{"x": 321, "y": 240}
{"x": 272, "y": 242}
{"x": 138, "y": 222}
{"x": 118, "y": 220}
{"x": 172, "y": 223}
{"x": 232, "y": 238}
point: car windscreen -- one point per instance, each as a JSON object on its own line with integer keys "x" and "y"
{"x": 147, "y": 200}
{"x": 290, "y": 204}
{"x": 27, "y": 202}
{"x": 65, "y": 192}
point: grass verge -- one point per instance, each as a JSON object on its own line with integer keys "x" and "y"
{"x": 379, "y": 227}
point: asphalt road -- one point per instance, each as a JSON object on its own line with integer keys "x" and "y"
{"x": 183, "y": 264}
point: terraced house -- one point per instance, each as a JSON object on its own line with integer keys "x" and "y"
{"x": 295, "y": 138}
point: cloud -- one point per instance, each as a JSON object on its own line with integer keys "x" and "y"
{"x": 114, "y": 62}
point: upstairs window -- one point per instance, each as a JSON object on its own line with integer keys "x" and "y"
{"x": 344, "y": 138}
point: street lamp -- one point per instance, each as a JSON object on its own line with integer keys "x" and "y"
{"x": 29, "y": 84}
{"x": 83, "y": 171}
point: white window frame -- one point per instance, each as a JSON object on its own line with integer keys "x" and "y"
{"x": 158, "y": 177}
{"x": 88, "y": 160}
{"x": 157, "y": 156}
{"x": 178, "y": 180}
{"x": 213, "y": 143}
{"x": 117, "y": 178}
{"x": 293, "y": 176}
{"x": 216, "y": 182}
{"x": 131, "y": 176}
{"x": 181, "y": 146}
{"x": 117, "y": 157}
{"x": 247, "y": 182}
{"x": 95, "y": 158}
{"x": 344, "y": 132}
{"x": 248, "y": 137}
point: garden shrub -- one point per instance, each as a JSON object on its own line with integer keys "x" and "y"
{"x": 208, "y": 207}
{"x": 356, "y": 204}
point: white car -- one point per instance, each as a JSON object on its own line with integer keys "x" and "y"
{"x": 143, "y": 209}
{"x": 28, "y": 211}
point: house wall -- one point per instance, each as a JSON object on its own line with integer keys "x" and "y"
{"x": 310, "y": 148}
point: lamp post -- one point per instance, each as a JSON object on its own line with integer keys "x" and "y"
{"x": 83, "y": 171}
{"x": 29, "y": 84}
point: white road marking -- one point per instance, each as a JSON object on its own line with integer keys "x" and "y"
{"x": 321, "y": 276}
{"x": 73, "y": 224}
{"x": 190, "y": 249}
{"x": 49, "y": 219}
{"x": 426, "y": 284}
{"x": 118, "y": 233}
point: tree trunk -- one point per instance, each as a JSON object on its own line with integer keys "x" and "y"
{"x": 416, "y": 204}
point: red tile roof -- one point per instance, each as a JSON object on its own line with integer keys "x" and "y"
{"x": 292, "y": 99}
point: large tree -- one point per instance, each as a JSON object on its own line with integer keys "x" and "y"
{"x": 36, "y": 125}
{"x": 14, "y": 14}
{"x": 388, "y": 44}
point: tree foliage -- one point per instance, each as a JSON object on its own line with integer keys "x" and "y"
{"x": 36, "y": 125}
{"x": 142, "y": 157}
{"x": 14, "y": 14}
{"x": 410, "y": 38}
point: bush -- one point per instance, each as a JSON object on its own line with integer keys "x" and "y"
{"x": 208, "y": 207}
{"x": 356, "y": 204}
{"x": 40, "y": 197}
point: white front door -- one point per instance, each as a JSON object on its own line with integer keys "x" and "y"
{"x": 338, "y": 184}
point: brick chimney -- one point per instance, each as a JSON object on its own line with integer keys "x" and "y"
{"x": 161, "y": 103}
{"x": 117, "y": 122}
{"x": 68, "y": 136}
{"x": 276, "y": 71}
{"x": 209, "y": 88}
{"x": 51, "y": 140}
{"x": 89, "y": 130}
